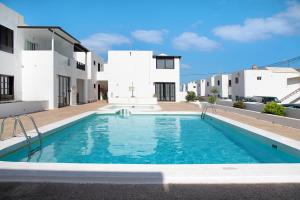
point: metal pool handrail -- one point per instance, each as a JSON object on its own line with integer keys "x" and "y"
{"x": 28, "y": 138}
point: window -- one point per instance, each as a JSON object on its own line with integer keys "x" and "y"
{"x": 258, "y": 78}
{"x": 30, "y": 45}
{"x": 218, "y": 82}
{"x": 229, "y": 83}
{"x": 6, "y": 39}
{"x": 94, "y": 85}
{"x": 94, "y": 63}
{"x": 6, "y": 87}
{"x": 207, "y": 84}
{"x": 236, "y": 80}
{"x": 194, "y": 86}
{"x": 100, "y": 67}
{"x": 164, "y": 63}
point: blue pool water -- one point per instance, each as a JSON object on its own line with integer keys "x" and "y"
{"x": 155, "y": 139}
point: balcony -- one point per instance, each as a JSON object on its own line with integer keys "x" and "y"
{"x": 80, "y": 66}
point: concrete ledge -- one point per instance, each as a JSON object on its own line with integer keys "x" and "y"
{"x": 254, "y": 106}
{"x": 22, "y": 107}
{"x": 149, "y": 174}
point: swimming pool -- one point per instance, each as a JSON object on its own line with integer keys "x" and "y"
{"x": 156, "y": 139}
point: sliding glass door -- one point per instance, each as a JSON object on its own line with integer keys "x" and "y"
{"x": 165, "y": 91}
{"x": 63, "y": 91}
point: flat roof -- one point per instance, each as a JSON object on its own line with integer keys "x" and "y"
{"x": 57, "y": 30}
{"x": 165, "y": 56}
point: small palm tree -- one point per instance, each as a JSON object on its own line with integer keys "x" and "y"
{"x": 214, "y": 91}
{"x": 212, "y": 99}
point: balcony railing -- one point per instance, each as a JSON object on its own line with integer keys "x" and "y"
{"x": 80, "y": 66}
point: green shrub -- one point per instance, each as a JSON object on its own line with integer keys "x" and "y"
{"x": 274, "y": 108}
{"x": 212, "y": 99}
{"x": 239, "y": 104}
{"x": 191, "y": 96}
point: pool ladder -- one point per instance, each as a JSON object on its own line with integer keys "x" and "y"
{"x": 124, "y": 112}
{"x": 205, "y": 108}
{"x": 17, "y": 120}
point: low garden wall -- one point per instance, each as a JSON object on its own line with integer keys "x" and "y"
{"x": 285, "y": 121}
{"x": 22, "y": 107}
{"x": 290, "y": 112}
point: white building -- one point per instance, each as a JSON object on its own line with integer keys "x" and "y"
{"x": 283, "y": 83}
{"x": 43, "y": 63}
{"x": 210, "y": 83}
{"x": 192, "y": 87}
{"x": 223, "y": 83}
{"x": 140, "y": 77}
{"x": 201, "y": 87}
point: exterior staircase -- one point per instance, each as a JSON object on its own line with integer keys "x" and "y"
{"x": 290, "y": 95}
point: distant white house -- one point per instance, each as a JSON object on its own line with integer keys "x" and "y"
{"x": 192, "y": 87}
{"x": 210, "y": 83}
{"x": 140, "y": 77}
{"x": 223, "y": 84}
{"x": 280, "y": 82}
{"x": 201, "y": 87}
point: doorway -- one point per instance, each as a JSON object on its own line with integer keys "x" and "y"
{"x": 165, "y": 91}
{"x": 63, "y": 91}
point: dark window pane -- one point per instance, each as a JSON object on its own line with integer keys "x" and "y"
{"x": 169, "y": 63}
{"x": 6, "y": 39}
{"x": 160, "y": 63}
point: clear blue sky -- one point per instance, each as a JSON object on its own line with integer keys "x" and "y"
{"x": 211, "y": 36}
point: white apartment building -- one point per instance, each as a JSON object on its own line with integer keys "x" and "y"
{"x": 280, "y": 82}
{"x": 223, "y": 84}
{"x": 192, "y": 87}
{"x": 140, "y": 77}
{"x": 210, "y": 83}
{"x": 43, "y": 63}
{"x": 201, "y": 87}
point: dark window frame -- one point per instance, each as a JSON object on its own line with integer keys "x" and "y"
{"x": 258, "y": 78}
{"x": 6, "y": 39}
{"x": 229, "y": 83}
{"x": 7, "y": 87}
{"x": 165, "y": 63}
{"x": 165, "y": 91}
{"x": 236, "y": 80}
{"x": 218, "y": 82}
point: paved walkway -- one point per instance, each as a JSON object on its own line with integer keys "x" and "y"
{"x": 50, "y": 116}
{"x": 265, "y": 125}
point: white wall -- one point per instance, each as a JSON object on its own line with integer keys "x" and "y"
{"x": 138, "y": 69}
{"x": 211, "y": 83}
{"x": 93, "y": 75}
{"x": 192, "y": 87}
{"x": 37, "y": 73}
{"x": 10, "y": 64}
{"x": 24, "y": 107}
{"x": 201, "y": 87}
{"x": 222, "y": 87}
